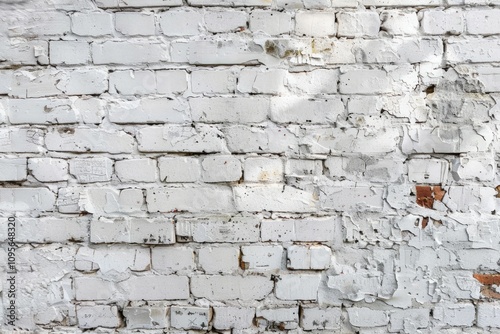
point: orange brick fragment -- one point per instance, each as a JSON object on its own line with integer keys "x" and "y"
{"x": 488, "y": 279}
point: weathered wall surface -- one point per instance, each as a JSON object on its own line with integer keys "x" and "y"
{"x": 251, "y": 165}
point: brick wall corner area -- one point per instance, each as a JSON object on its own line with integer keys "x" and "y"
{"x": 250, "y": 166}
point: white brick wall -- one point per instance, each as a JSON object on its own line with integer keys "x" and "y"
{"x": 251, "y": 166}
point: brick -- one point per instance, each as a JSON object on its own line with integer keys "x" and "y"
{"x": 269, "y": 170}
{"x": 23, "y": 52}
{"x": 132, "y": 83}
{"x": 83, "y": 81}
{"x": 399, "y": 23}
{"x": 248, "y": 139}
{"x": 97, "y": 316}
{"x": 180, "y": 22}
{"x": 180, "y": 138}
{"x": 309, "y": 257}
{"x": 132, "y": 230}
{"x": 218, "y": 229}
{"x": 308, "y": 111}
{"x": 137, "y": 3}
{"x": 352, "y": 198}
{"x": 401, "y": 319}
{"x": 172, "y": 259}
{"x": 252, "y": 3}
{"x": 487, "y": 315}
{"x": 195, "y": 199}
{"x": 40, "y": 83}
{"x": 428, "y": 170}
{"x": 358, "y": 24}
{"x": 218, "y": 21}
{"x": 146, "y": 317}
{"x": 319, "y": 81}
{"x": 148, "y": 110}
{"x": 92, "y": 24}
{"x": 113, "y": 263}
{"x": 261, "y": 258}
{"x": 298, "y": 287}
{"x": 90, "y": 109}
{"x": 91, "y": 170}
{"x": 109, "y": 200}
{"x": 13, "y": 169}
{"x": 41, "y": 23}
{"x": 182, "y": 317}
{"x": 243, "y": 110}
{"x": 48, "y": 229}
{"x": 179, "y": 169}
{"x": 318, "y": 229}
{"x": 297, "y": 167}
{"x": 439, "y": 22}
{"x": 69, "y": 52}
{"x": 128, "y": 52}
{"x": 262, "y": 82}
{"x": 233, "y": 317}
{"x": 271, "y": 22}
{"x": 93, "y": 288}
{"x": 459, "y": 314}
{"x": 136, "y": 170}
{"x": 215, "y": 260}
{"x": 399, "y": 3}
{"x": 231, "y": 287}
{"x": 313, "y": 318}
{"x": 470, "y": 167}
{"x": 135, "y": 23}
{"x": 213, "y": 81}
{"x": 315, "y": 24}
{"x": 40, "y": 111}
{"x": 171, "y": 81}
{"x": 482, "y": 21}
{"x": 221, "y": 169}
{"x": 365, "y": 317}
{"x": 27, "y": 199}
{"x": 274, "y": 198}
{"x": 472, "y": 50}
{"x": 279, "y": 318}
{"x": 48, "y": 169}
{"x": 21, "y": 140}
{"x": 159, "y": 287}
{"x": 89, "y": 140}
{"x": 68, "y": 200}
{"x": 364, "y": 82}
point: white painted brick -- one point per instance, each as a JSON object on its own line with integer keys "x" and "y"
{"x": 69, "y": 52}
{"x": 216, "y": 287}
{"x": 271, "y": 22}
{"x": 146, "y": 317}
{"x": 352, "y": 198}
{"x": 261, "y": 258}
{"x": 221, "y": 169}
{"x": 317, "y": 229}
{"x": 459, "y": 314}
{"x": 88, "y": 140}
{"x": 92, "y": 24}
{"x": 274, "y": 198}
{"x": 172, "y": 259}
{"x": 6, "y": 81}
{"x": 113, "y": 263}
{"x": 219, "y": 229}
{"x": 483, "y": 21}
{"x": 109, "y": 200}
{"x": 218, "y": 21}
{"x": 315, "y": 24}
{"x": 364, "y": 82}
{"x": 160, "y": 287}
{"x": 472, "y": 50}
{"x": 262, "y": 82}
{"x": 132, "y": 230}
{"x": 128, "y": 52}
{"x": 401, "y": 320}
{"x": 296, "y": 167}
{"x": 358, "y": 24}
{"x": 27, "y": 199}
{"x": 171, "y": 81}
{"x": 313, "y": 318}
{"x": 48, "y": 169}
{"x": 308, "y": 111}
{"x": 319, "y": 81}
{"x": 27, "y": 84}
{"x": 428, "y": 170}
{"x": 180, "y": 22}
{"x": 263, "y": 170}
{"x": 213, "y": 81}
{"x": 280, "y": 318}
{"x": 180, "y": 138}
{"x": 309, "y": 257}
{"x": 233, "y": 317}
{"x": 132, "y": 82}
{"x": 256, "y": 3}
{"x": 298, "y": 287}
{"x": 136, "y": 170}
{"x": 148, "y": 110}
{"x": 13, "y": 169}
{"x": 243, "y": 110}
{"x": 399, "y": 23}
{"x": 438, "y": 22}
{"x": 85, "y": 81}
{"x": 90, "y": 109}
{"x": 135, "y": 23}
{"x": 98, "y": 316}
{"x": 68, "y": 200}
{"x": 399, "y": 3}
{"x": 243, "y": 139}
{"x": 219, "y": 259}
{"x": 470, "y": 167}
{"x": 179, "y": 169}
{"x": 487, "y": 315}
{"x": 91, "y": 170}
{"x": 137, "y": 3}
{"x": 196, "y": 199}
{"x": 21, "y": 140}
{"x": 40, "y": 23}
{"x": 47, "y": 229}
{"x": 182, "y": 317}
{"x": 25, "y": 52}
{"x": 365, "y": 317}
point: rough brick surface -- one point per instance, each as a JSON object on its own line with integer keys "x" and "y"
{"x": 250, "y": 166}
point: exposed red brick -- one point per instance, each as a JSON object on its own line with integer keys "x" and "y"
{"x": 425, "y": 222}
{"x": 424, "y": 196}
{"x": 488, "y": 279}
{"x": 438, "y": 193}
{"x": 497, "y": 188}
